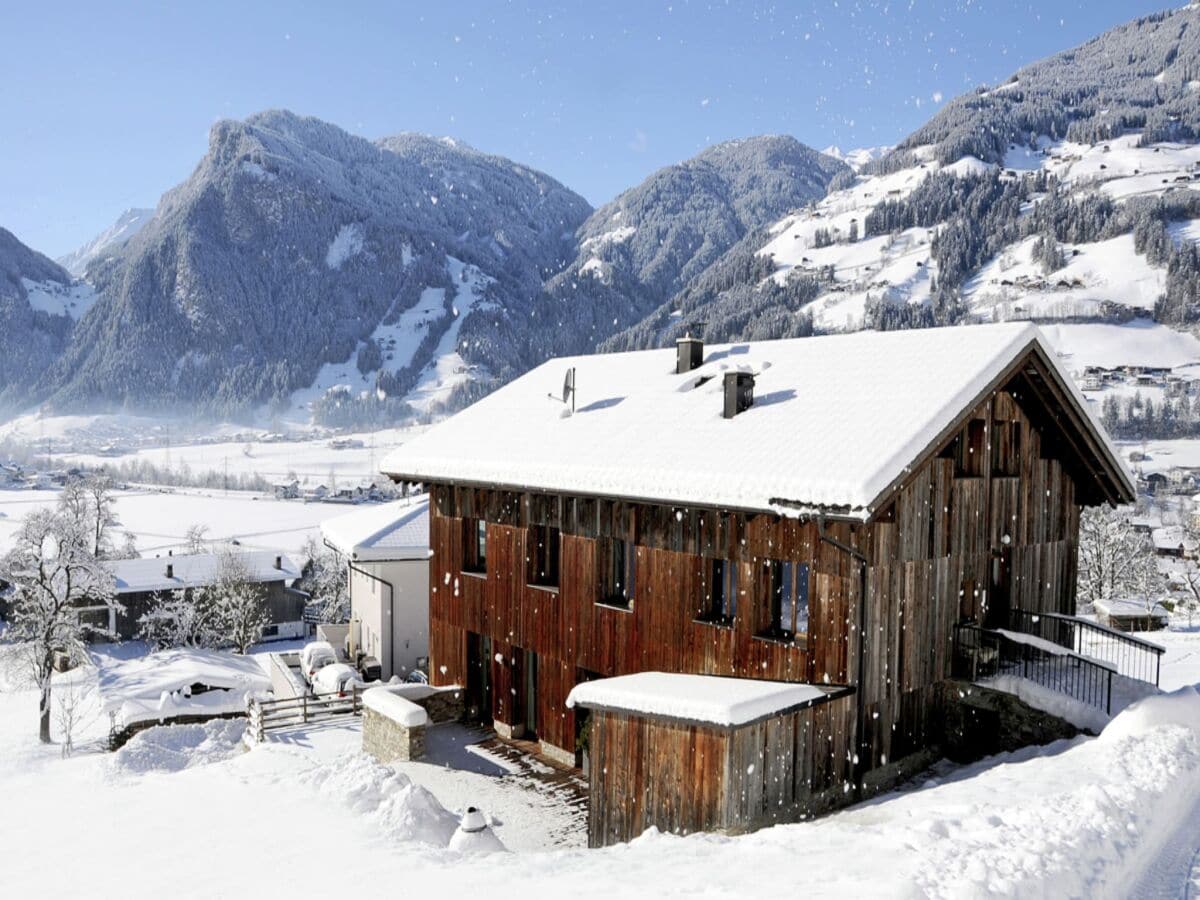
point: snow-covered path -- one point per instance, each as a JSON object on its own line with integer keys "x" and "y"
{"x": 1175, "y": 873}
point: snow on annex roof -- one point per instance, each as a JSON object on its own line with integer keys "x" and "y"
{"x": 135, "y": 576}
{"x": 398, "y": 530}
{"x": 710, "y": 699}
{"x": 835, "y": 421}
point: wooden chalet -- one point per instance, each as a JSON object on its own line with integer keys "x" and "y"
{"x": 825, "y": 511}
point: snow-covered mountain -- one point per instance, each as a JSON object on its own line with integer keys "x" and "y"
{"x": 36, "y": 315}
{"x": 636, "y": 252}
{"x": 295, "y": 246}
{"x": 127, "y": 225}
{"x": 1068, "y": 194}
{"x": 309, "y": 271}
{"x": 858, "y": 157}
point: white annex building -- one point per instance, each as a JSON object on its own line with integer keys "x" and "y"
{"x": 387, "y": 551}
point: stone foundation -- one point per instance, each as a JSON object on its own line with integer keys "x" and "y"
{"x": 979, "y": 722}
{"x": 389, "y": 741}
{"x": 559, "y": 755}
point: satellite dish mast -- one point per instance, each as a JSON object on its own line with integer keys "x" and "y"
{"x": 568, "y": 389}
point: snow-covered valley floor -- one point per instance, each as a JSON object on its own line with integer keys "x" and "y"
{"x": 193, "y": 814}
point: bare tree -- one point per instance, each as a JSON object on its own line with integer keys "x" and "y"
{"x": 66, "y": 714}
{"x": 54, "y": 572}
{"x": 196, "y": 538}
{"x": 99, "y": 488}
{"x": 89, "y": 501}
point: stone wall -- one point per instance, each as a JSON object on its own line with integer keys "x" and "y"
{"x": 389, "y": 741}
{"x": 444, "y": 705}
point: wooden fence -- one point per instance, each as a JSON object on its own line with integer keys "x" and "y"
{"x": 269, "y": 715}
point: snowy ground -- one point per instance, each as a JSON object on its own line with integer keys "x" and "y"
{"x": 190, "y": 811}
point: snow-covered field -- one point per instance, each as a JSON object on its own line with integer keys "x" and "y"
{"x": 159, "y": 519}
{"x": 187, "y": 810}
{"x": 311, "y": 462}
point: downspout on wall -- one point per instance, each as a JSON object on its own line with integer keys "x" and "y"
{"x": 391, "y": 625}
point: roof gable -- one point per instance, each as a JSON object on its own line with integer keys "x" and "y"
{"x": 392, "y": 531}
{"x": 837, "y": 422}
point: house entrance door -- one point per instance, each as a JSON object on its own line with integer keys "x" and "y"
{"x": 479, "y": 678}
{"x": 999, "y": 599}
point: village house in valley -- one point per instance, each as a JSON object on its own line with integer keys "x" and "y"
{"x": 386, "y": 549}
{"x": 625, "y": 540}
{"x": 140, "y": 582}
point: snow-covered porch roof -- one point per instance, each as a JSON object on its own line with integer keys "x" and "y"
{"x": 705, "y": 699}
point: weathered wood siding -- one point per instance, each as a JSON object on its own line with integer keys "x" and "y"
{"x": 684, "y": 778}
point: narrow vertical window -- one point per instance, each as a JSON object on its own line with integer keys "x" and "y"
{"x": 618, "y": 572}
{"x": 542, "y": 552}
{"x": 720, "y": 601}
{"x": 474, "y": 545}
{"x": 787, "y": 611}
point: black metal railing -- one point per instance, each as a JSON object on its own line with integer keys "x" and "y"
{"x": 1130, "y": 656}
{"x": 980, "y": 653}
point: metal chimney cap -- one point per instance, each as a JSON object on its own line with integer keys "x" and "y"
{"x": 473, "y": 821}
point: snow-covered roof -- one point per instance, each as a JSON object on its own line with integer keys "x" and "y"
{"x": 149, "y": 677}
{"x": 1171, "y": 537}
{"x": 1130, "y": 608}
{"x": 398, "y": 530}
{"x": 696, "y": 698}
{"x": 135, "y": 576}
{"x": 836, "y": 420}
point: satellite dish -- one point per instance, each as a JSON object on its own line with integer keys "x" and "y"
{"x": 568, "y": 388}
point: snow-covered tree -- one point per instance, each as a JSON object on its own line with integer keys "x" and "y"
{"x": 230, "y": 612}
{"x": 54, "y": 570}
{"x": 325, "y": 581}
{"x": 240, "y": 604}
{"x": 1114, "y": 559}
{"x": 183, "y": 619}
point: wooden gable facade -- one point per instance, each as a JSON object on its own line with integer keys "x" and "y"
{"x": 985, "y": 521}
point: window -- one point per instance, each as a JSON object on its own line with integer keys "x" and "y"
{"x": 618, "y": 572}
{"x": 541, "y": 551}
{"x": 474, "y": 545}
{"x": 788, "y": 613}
{"x": 721, "y": 593}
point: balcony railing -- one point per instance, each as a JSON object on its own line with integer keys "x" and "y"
{"x": 980, "y": 653}
{"x": 1128, "y": 655}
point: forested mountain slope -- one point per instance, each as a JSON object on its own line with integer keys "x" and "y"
{"x": 1064, "y": 194}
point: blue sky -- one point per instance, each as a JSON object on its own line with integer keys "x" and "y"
{"x": 106, "y": 105}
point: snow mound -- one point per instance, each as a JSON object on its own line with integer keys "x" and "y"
{"x": 1180, "y": 708}
{"x": 402, "y": 810}
{"x": 173, "y": 748}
